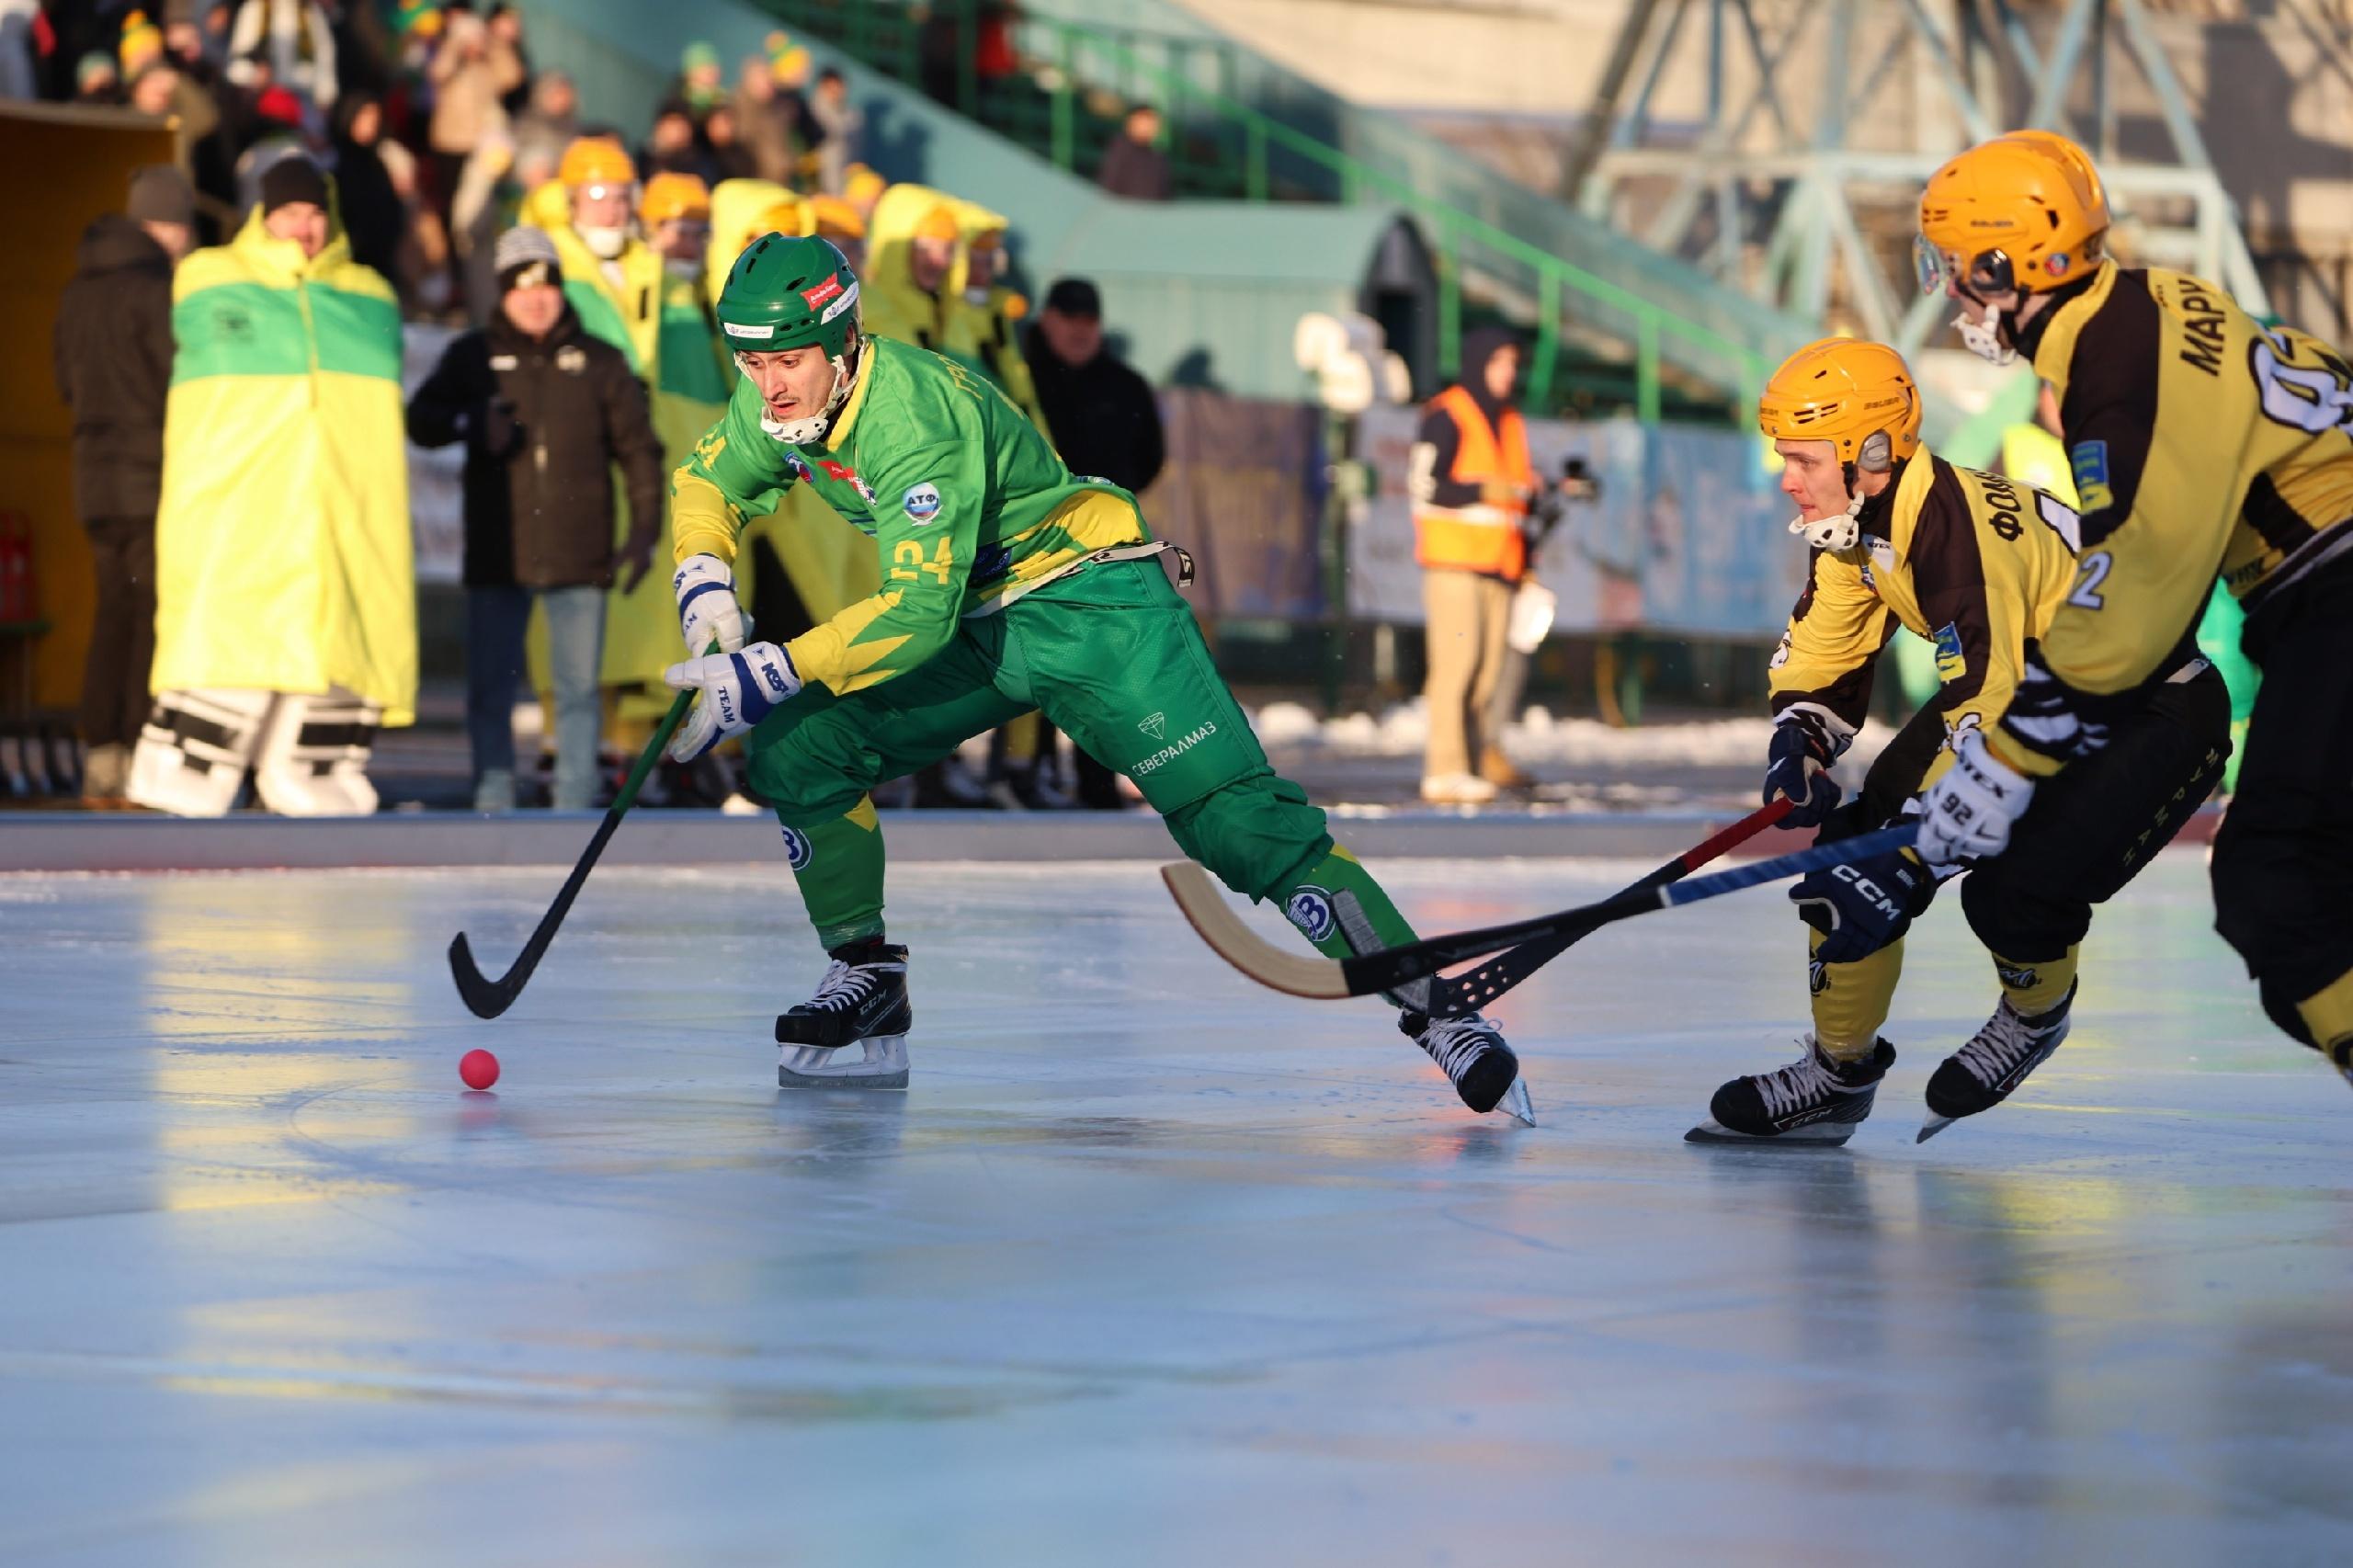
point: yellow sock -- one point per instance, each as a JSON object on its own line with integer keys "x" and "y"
{"x": 1851, "y": 1000}
{"x": 2035, "y": 988}
{"x": 2328, "y": 1013}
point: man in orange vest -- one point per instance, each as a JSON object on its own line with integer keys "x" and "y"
{"x": 1472, "y": 483}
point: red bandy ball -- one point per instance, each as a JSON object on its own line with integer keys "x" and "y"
{"x": 478, "y": 1069}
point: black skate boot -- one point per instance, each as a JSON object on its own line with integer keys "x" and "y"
{"x": 1816, "y": 1100}
{"x": 1481, "y": 1066}
{"x": 2341, "y": 1054}
{"x": 1980, "y": 1075}
{"x": 862, "y": 1001}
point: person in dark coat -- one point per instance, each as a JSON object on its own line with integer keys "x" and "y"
{"x": 113, "y": 352}
{"x": 374, "y": 215}
{"x": 1133, "y": 165}
{"x": 1104, "y": 420}
{"x": 545, "y": 410}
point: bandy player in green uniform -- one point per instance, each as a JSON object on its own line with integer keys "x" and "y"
{"x": 1008, "y": 583}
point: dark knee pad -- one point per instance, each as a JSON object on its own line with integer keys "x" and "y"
{"x": 2018, "y": 920}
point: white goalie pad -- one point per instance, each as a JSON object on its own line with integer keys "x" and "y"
{"x": 312, "y": 760}
{"x": 193, "y": 750}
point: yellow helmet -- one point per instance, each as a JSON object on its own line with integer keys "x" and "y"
{"x": 1858, "y": 396}
{"x": 671, "y": 195}
{"x": 595, "y": 160}
{"x": 2024, "y": 211}
{"x": 833, "y": 215}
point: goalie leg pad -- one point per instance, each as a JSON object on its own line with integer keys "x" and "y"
{"x": 194, "y": 748}
{"x": 313, "y": 757}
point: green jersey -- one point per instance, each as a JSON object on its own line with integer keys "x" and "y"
{"x": 965, "y": 501}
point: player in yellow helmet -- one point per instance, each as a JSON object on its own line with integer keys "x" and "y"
{"x": 1976, "y": 565}
{"x": 2201, "y": 442}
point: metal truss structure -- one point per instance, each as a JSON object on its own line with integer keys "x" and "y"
{"x": 1776, "y": 197}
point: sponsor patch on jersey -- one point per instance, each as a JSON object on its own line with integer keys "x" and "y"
{"x": 922, "y": 503}
{"x": 1951, "y": 663}
{"x": 797, "y": 466}
{"x": 1155, "y": 725}
{"x": 798, "y": 850}
{"x": 2089, "y": 463}
{"x": 1310, "y": 910}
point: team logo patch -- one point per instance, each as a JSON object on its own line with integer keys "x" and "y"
{"x": 2017, "y": 977}
{"x": 1155, "y": 726}
{"x": 2089, "y": 463}
{"x": 798, "y": 850}
{"x": 2056, "y": 263}
{"x": 1951, "y": 663}
{"x": 1310, "y": 910}
{"x": 922, "y": 503}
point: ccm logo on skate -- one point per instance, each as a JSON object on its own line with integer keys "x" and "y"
{"x": 1167, "y": 754}
{"x": 798, "y": 850}
{"x": 1310, "y": 910}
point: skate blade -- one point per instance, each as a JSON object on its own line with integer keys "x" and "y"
{"x": 883, "y": 1065}
{"x": 1934, "y": 1124}
{"x": 1517, "y": 1103}
{"x": 1816, "y": 1135}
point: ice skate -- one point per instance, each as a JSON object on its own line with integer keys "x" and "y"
{"x": 1477, "y": 1062}
{"x": 1980, "y": 1075}
{"x": 853, "y": 1033}
{"x": 2341, "y": 1055}
{"x": 1815, "y": 1100}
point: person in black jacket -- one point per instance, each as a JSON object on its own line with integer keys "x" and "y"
{"x": 1105, "y": 421}
{"x": 545, "y": 411}
{"x": 113, "y": 352}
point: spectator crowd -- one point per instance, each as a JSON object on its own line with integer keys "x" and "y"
{"x": 232, "y": 353}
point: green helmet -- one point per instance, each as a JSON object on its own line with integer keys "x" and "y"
{"x": 786, "y": 291}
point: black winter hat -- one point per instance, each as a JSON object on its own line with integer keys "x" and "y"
{"x": 292, "y": 180}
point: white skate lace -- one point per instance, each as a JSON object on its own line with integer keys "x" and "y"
{"x": 846, "y": 986}
{"x": 1455, "y": 1043}
{"x": 1996, "y": 1050}
{"x": 1802, "y": 1083}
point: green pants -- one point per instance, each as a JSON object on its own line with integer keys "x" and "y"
{"x": 1112, "y": 656}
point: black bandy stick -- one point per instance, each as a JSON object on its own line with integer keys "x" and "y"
{"x": 1451, "y": 997}
{"x": 1329, "y": 979}
{"x": 486, "y": 998}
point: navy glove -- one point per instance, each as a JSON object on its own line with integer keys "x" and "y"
{"x": 1797, "y": 766}
{"x": 1860, "y": 908}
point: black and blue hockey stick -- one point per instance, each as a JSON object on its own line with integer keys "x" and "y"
{"x": 1367, "y": 974}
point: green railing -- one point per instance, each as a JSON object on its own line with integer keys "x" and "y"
{"x": 1052, "y": 104}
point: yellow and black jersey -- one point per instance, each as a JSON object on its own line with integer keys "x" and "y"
{"x": 1973, "y": 564}
{"x": 2201, "y": 442}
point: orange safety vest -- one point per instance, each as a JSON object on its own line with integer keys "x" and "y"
{"x": 1485, "y": 536}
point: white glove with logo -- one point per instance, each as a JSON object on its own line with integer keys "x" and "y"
{"x": 1968, "y": 813}
{"x": 707, "y": 607}
{"x": 738, "y": 689}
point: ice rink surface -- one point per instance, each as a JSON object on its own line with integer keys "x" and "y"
{"x": 1149, "y": 1266}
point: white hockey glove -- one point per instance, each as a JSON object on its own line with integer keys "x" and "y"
{"x": 707, "y": 607}
{"x": 1968, "y": 813}
{"x": 738, "y": 689}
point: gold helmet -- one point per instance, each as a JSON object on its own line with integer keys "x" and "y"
{"x": 1858, "y": 396}
{"x": 2024, "y": 211}
{"x": 670, "y": 196}
{"x": 595, "y": 160}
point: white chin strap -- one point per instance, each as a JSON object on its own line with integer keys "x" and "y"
{"x": 1838, "y": 531}
{"x": 603, "y": 243}
{"x": 1984, "y": 337}
{"x": 804, "y": 432}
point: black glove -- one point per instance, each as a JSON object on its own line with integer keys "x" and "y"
{"x": 495, "y": 428}
{"x": 1862, "y": 907}
{"x": 1796, "y": 766}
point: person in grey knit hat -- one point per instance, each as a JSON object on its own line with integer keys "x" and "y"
{"x": 546, "y": 413}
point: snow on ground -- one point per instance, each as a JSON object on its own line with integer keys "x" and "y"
{"x": 1541, "y": 739}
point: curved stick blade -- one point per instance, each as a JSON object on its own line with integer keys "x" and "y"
{"x": 483, "y": 997}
